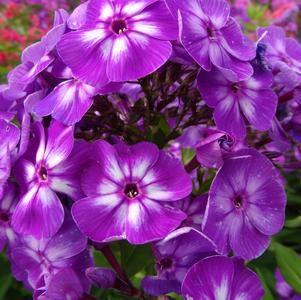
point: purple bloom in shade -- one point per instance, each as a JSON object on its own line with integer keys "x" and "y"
{"x": 41, "y": 259}
{"x": 7, "y": 205}
{"x": 212, "y": 37}
{"x": 118, "y": 36}
{"x": 246, "y": 205}
{"x": 128, "y": 189}
{"x": 67, "y": 103}
{"x": 233, "y": 100}
{"x": 174, "y": 255}
{"x": 210, "y": 151}
{"x": 194, "y": 208}
{"x": 103, "y": 278}
{"x": 35, "y": 59}
{"x": 280, "y": 49}
{"x": 221, "y": 278}
{"x": 63, "y": 285}
{"x": 283, "y": 289}
{"x": 9, "y": 136}
{"x": 48, "y": 167}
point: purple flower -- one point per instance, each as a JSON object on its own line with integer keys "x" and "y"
{"x": 233, "y": 100}
{"x": 127, "y": 189}
{"x": 41, "y": 259}
{"x": 283, "y": 289}
{"x": 210, "y": 151}
{"x": 67, "y": 103}
{"x": 101, "y": 277}
{"x": 281, "y": 49}
{"x": 219, "y": 277}
{"x": 7, "y": 205}
{"x": 246, "y": 205}
{"x": 48, "y": 167}
{"x": 117, "y": 37}
{"x": 194, "y": 208}
{"x": 212, "y": 37}
{"x": 63, "y": 285}
{"x": 175, "y": 254}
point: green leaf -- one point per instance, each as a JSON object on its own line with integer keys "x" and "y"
{"x": 262, "y": 275}
{"x": 187, "y": 155}
{"x": 6, "y": 281}
{"x": 290, "y": 266}
{"x": 293, "y": 223}
{"x": 135, "y": 258}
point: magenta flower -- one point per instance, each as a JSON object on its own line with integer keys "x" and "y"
{"x": 127, "y": 189}
{"x": 67, "y": 103}
{"x": 40, "y": 259}
{"x": 174, "y": 255}
{"x": 233, "y": 100}
{"x": 215, "y": 146}
{"x": 212, "y": 37}
{"x": 280, "y": 49}
{"x": 7, "y": 205}
{"x": 246, "y": 205}
{"x": 9, "y": 136}
{"x": 117, "y": 37}
{"x": 61, "y": 286}
{"x": 221, "y": 278}
{"x": 43, "y": 171}
{"x": 194, "y": 208}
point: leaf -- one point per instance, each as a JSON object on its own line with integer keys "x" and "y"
{"x": 187, "y": 155}
{"x": 268, "y": 294}
{"x": 6, "y": 281}
{"x": 135, "y": 258}
{"x": 293, "y": 223}
{"x": 289, "y": 264}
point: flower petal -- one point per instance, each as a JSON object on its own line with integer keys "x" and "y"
{"x": 39, "y": 213}
{"x": 67, "y": 103}
{"x": 140, "y": 225}
{"x": 101, "y": 218}
{"x": 131, "y": 48}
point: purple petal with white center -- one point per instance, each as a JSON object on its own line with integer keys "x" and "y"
{"x": 228, "y": 118}
{"x": 259, "y": 107}
{"x": 155, "y": 21}
{"x": 65, "y": 178}
{"x": 194, "y": 37}
{"x": 108, "y": 214}
{"x": 274, "y": 37}
{"x": 167, "y": 180}
{"x": 211, "y": 278}
{"x": 39, "y": 213}
{"x": 105, "y": 175}
{"x": 86, "y": 52}
{"x": 99, "y": 11}
{"x": 129, "y": 49}
{"x": 245, "y": 283}
{"x": 67, "y": 103}
{"x": 236, "y": 43}
{"x": 59, "y": 143}
{"x": 24, "y": 172}
{"x": 134, "y": 7}
{"x": 218, "y": 11}
{"x": 141, "y": 226}
{"x": 137, "y": 159}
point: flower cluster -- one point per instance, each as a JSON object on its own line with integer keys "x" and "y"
{"x": 151, "y": 131}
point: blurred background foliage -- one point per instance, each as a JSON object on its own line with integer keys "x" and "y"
{"x": 24, "y": 22}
